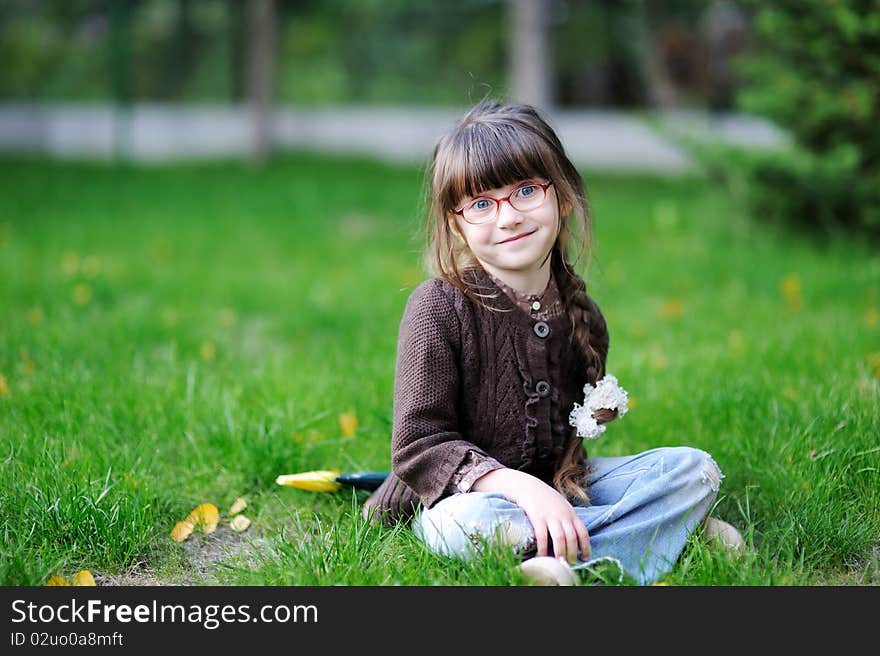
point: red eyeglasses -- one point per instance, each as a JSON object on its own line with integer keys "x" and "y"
{"x": 528, "y": 196}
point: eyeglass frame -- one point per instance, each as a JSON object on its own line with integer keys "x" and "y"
{"x": 544, "y": 186}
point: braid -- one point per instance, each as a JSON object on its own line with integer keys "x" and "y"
{"x": 588, "y": 328}
{"x": 590, "y": 333}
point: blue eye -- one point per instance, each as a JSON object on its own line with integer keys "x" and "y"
{"x": 526, "y": 190}
{"x": 481, "y": 205}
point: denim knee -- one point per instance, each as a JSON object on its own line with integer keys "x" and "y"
{"x": 461, "y": 523}
{"x": 698, "y": 470}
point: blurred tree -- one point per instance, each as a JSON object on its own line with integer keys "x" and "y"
{"x": 815, "y": 72}
{"x": 531, "y": 76}
{"x": 263, "y": 28}
{"x": 236, "y": 31}
{"x": 594, "y": 52}
{"x": 119, "y": 63}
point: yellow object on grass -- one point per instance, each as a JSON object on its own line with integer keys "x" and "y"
{"x": 323, "y": 480}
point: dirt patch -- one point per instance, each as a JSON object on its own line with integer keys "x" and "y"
{"x": 202, "y": 556}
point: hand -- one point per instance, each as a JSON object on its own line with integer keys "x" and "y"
{"x": 549, "y": 512}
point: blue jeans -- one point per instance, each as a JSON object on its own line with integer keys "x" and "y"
{"x": 643, "y": 509}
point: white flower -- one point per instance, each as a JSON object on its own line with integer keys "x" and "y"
{"x": 606, "y": 394}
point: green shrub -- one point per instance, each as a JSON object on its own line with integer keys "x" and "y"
{"x": 814, "y": 70}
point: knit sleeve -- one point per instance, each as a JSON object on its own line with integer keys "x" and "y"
{"x": 427, "y": 449}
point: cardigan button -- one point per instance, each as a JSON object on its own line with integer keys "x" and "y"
{"x": 542, "y": 387}
{"x": 545, "y": 454}
{"x": 542, "y": 329}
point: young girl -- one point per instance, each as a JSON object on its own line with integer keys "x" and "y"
{"x": 493, "y": 353}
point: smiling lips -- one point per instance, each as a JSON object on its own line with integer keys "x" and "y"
{"x": 518, "y": 237}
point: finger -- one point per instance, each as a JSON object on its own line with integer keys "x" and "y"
{"x": 540, "y": 529}
{"x": 583, "y": 538}
{"x": 557, "y": 534}
{"x": 571, "y": 542}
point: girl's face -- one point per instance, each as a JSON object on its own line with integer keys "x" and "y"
{"x": 514, "y": 246}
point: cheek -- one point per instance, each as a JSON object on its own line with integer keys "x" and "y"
{"x": 477, "y": 235}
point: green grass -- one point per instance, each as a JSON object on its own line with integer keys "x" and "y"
{"x": 185, "y": 333}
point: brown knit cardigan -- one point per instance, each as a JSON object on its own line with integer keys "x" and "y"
{"x": 475, "y": 382}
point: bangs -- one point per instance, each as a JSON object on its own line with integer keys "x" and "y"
{"x": 485, "y": 156}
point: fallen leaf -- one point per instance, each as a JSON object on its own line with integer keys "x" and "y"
{"x": 26, "y": 361}
{"x": 205, "y": 517}
{"x": 672, "y": 308}
{"x": 239, "y": 523}
{"x": 181, "y": 531}
{"x": 4, "y": 386}
{"x": 84, "y": 578}
{"x": 35, "y": 316}
{"x": 314, "y": 481}
{"x": 207, "y": 351}
{"x": 57, "y": 580}
{"x": 791, "y": 290}
{"x": 348, "y": 423}
{"x": 81, "y": 294}
{"x": 239, "y": 505}
{"x": 871, "y": 317}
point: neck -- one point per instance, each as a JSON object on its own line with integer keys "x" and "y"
{"x": 526, "y": 282}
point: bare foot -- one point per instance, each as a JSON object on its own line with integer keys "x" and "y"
{"x": 546, "y": 570}
{"x": 720, "y": 532}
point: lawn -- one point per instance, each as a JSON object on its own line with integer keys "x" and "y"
{"x": 180, "y": 334}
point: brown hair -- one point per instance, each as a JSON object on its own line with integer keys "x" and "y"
{"x": 495, "y": 145}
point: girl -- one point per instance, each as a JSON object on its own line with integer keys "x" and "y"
{"x": 493, "y": 353}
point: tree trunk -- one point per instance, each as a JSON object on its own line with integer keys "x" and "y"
{"x": 261, "y": 79}
{"x": 530, "y": 71}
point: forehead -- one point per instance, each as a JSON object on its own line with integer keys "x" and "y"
{"x": 485, "y": 159}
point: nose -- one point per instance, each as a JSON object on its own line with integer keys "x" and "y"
{"x": 508, "y": 215}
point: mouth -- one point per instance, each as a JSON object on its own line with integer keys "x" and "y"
{"x": 518, "y": 237}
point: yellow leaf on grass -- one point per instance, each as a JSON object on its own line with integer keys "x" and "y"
{"x": 4, "y": 386}
{"x": 35, "y": 316}
{"x": 239, "y": 505}
{"x": 81, "y": 294}
{"x": 239, "y": 523}
{"x": 207, "y": 351}
{"x": 791, "y": 290}
{"x": 672, "y": 309}
{"x": 348, "y": 423}
{"x": 84, "y": 578}
{"x": 57, "y": 579}
{"x": 204, "y": 517}
{"x": 181, "y": 531}
{"x": 314, "y": 481}
{"x": 871, "y": 317}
